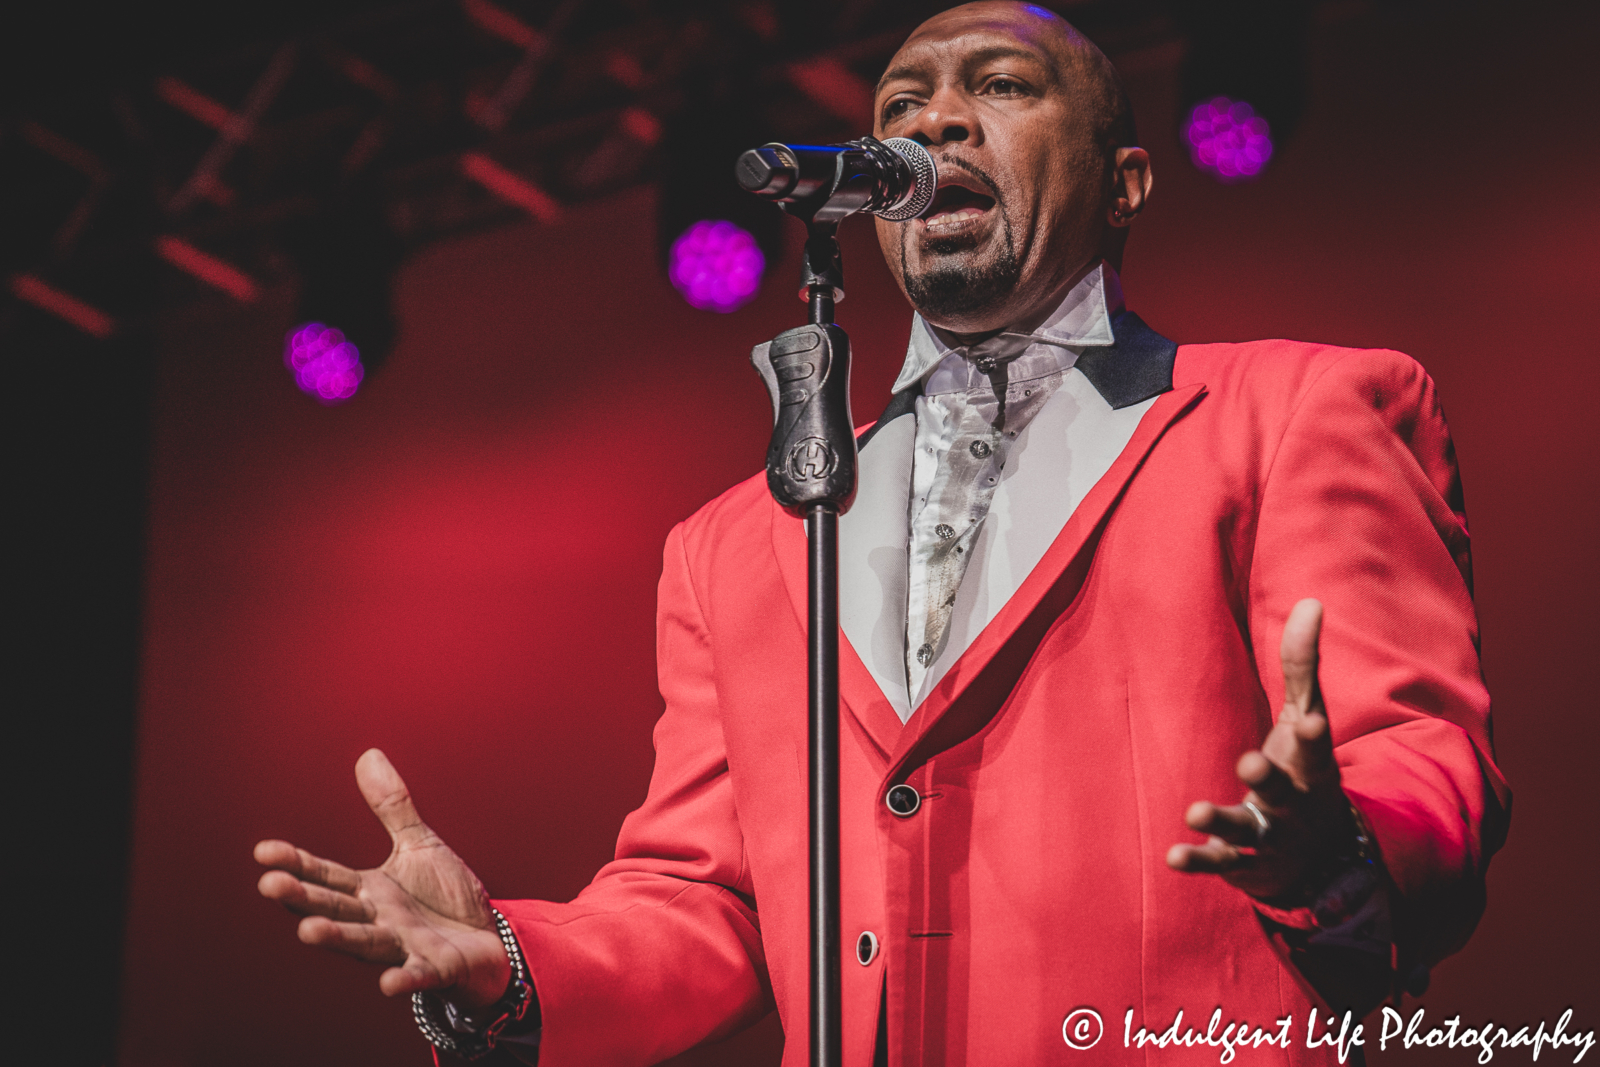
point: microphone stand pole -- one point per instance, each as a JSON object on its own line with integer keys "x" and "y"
{"x": 811, "y": 470}
{"x": 822, "y": 539}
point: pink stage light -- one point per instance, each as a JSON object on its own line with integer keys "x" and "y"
{"x": 325, "y": 366}
{"x": 716, "y": 266}
{"x": 1227, "y": 139}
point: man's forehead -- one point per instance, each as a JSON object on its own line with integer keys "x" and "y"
{"x": 984, "y": 28}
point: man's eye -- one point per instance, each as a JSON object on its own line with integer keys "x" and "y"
{"x": 1005, "y": 87}
{"x": 896, "y": 108}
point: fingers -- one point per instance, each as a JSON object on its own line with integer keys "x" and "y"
{"x": 415, "y": 977}
{"x": 1270, "y": 782}
{"x": 386, "y": 794}
{"x": 306, "y": 898}
{"x": 310, "y": 885}
{"x": 1216, "y": 856}
{"x": 1234, "y": 825}
{"x": 364, "y": 941}
{"x": 1313, "y": 757}
{"x": 282, "y": 856}
{"x": 1298, "y": 652}
{"x": 1289, "y": 776}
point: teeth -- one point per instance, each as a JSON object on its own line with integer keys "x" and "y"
{"x": 948, "y": 219}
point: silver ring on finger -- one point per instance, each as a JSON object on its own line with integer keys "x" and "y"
{"x": 1263, "y": 824}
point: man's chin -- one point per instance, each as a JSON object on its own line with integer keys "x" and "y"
{"x": 967, "y": 274}
{"x": 957, "y": 290}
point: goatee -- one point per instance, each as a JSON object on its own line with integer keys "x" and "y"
{"x": 950, "y": 291}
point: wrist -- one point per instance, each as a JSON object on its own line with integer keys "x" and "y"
{"x": 1337, "y": 884}
{"x": 472, "y": 1033}
{"x": 488, "y": 978}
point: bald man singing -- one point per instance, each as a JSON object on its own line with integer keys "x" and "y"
{"x": 1163, "y": 728}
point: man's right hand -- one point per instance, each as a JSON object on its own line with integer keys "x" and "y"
{"x": 423, "y": 913}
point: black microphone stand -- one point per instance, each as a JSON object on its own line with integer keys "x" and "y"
{"x": 811, "y": 470}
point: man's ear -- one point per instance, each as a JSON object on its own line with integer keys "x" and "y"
{"x": 1131, "y": 181}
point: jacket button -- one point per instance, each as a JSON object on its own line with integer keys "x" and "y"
{"x": 866, "y": 947}
{"x": 903, "y": 801}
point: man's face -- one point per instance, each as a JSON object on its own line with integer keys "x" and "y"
{"x": 999, "y": 95}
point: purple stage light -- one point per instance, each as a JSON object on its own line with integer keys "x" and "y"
{"x": 326, "y": 367}
{"x": 716, "y": 265}
{"x": 1228, "y": 139}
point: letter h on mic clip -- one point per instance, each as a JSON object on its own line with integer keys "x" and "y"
{"x": 811, "y": 467}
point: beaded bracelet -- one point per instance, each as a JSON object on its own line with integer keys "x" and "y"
{"x": 462, "y": 1037}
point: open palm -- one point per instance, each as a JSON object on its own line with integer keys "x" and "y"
{"x": 422, "y": 914}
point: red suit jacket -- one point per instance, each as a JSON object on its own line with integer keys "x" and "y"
{"x": 1055, "y": 761}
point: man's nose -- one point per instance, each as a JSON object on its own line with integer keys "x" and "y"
{"x": 947, "y": 118}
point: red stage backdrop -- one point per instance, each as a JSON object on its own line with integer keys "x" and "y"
{"x": 459, "y": 566}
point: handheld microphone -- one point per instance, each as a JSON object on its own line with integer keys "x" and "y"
{"x": 893, "y": 179}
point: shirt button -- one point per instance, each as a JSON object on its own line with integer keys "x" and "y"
{"x": 903, "y": 801}
{"x": 925, "y": 655}
{"x": 866, "y": 947}
{"x": 945, "y": 530}
{"x": 980, "y": 449}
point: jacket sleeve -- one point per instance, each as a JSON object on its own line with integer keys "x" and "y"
{"x": 663, "y": 949}
{"x": 1362, "y": 509}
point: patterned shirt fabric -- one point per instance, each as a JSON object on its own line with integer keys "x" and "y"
{"x": 975, "y": 402}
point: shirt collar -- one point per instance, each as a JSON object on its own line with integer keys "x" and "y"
{"x": 1081, "y": 320}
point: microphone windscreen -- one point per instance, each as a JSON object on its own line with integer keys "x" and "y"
{"x": 924, "y": 180}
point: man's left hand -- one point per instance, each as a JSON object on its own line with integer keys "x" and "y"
{"x": 1301, "y": 819}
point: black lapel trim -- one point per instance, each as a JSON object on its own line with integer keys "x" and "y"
{"x": 902, "y": 403}
{"x": 1137, "y": 367}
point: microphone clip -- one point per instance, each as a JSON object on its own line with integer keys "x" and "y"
{"x": 893, "y": 179}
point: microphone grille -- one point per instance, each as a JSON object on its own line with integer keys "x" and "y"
{"x": 924, "y": 180}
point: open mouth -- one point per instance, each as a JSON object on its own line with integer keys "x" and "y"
{"x": 956, "y": 205}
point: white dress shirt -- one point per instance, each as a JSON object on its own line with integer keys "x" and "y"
{"x": 1006, "y": 440}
